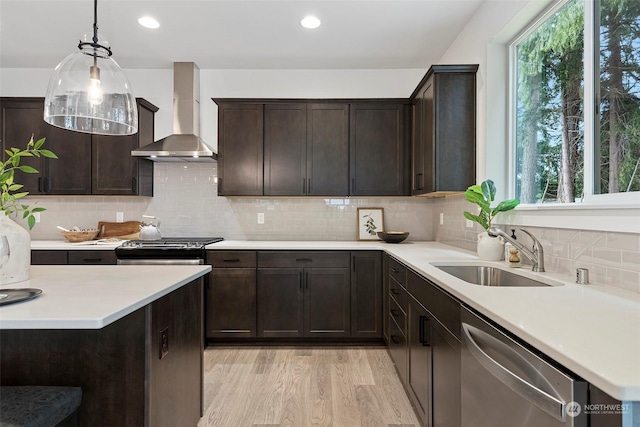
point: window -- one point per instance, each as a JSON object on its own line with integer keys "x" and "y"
{"x": 568, "y": 147}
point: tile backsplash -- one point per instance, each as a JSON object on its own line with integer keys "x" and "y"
{"x": 612, "y": 258}
{"x": 185, "y": 200}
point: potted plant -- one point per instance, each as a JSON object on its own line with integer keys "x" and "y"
{"x": 15, "y": 242}
{"x": 489, "y": 248}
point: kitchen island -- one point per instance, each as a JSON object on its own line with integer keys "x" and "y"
{"x": 129, "y": 336}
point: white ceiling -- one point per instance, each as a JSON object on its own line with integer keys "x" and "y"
{"x": 237, "y": 34}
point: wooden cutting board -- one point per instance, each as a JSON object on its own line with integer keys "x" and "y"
{"x": 119, "y": 230}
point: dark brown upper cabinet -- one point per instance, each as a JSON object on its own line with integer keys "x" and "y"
{"x": 444, "y": 130}
{"x": 86, "y": 164}
{"x": 376, "y": 150}
{"x": 114, "y": 170}
{"x": 240, "y": 149}
{"x": 306, "y": 150}
{"x": 70, "y": 173}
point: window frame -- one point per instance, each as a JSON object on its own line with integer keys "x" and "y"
{"x": 590, "y": 203}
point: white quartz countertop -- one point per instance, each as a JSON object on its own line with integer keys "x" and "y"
{"x": 91, "y": 297}
{"x": 593, "y": 330}
{"x": 101, "y": 245}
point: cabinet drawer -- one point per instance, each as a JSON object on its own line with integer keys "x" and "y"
{"x": 443, "y": 306}
{"x": 398, "y": 349}
{"x": 48, "y": 257}
{"x": 232, "y": 259}
{"x": 398, "y": 315}
{"x": 398, "y": 272}
{"x": 399, "y": 294}
{"x": 302, "y": 259}
{"x": 92, "y": 257}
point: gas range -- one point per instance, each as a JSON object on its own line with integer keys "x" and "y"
{"x": 168, "y": 250}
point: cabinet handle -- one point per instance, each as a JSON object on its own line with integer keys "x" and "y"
{"x": 395, "y": 270}
{"x": 231, "y": 260}
{"x": 301, "y": 279}
{"x": 395, "y": 339}
{"x": 92, "y": 260}
{"x": 134, "y": 184}
{"x": 306, "y": 280}
{"x": 353, "y": 263}
{"x": 394, "y": 312}
{"x": 425, "y": 331}
{"x": 418, "y": 181}
{"x": 40, "y": 184}
{"x": 395, "y": 291}
{"x": 303, "y": 260}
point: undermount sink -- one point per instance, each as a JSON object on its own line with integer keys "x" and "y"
{"x": 488, "y": 276}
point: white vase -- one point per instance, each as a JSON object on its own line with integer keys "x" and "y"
{"x": 490, "y": 248}
{"x": 15, "y": 261}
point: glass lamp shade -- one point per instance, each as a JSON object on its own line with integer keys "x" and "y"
{"x": 88, "y": 92}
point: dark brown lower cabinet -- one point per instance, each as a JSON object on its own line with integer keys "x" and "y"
{"x": 79, "y": 257}
{"x": 303, "y": 302}
{"x": 366, "y": 294}
{"x": 231, "y": 303}
{"x": 420, "y": 346}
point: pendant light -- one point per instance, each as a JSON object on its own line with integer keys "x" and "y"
{"x": 88, "y": 92}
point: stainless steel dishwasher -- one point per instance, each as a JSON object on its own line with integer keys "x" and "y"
{"x": 505, "y": 384}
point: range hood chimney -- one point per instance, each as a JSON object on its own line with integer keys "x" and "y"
{"x": 184, "y": 145}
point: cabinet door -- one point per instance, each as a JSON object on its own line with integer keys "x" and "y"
{"x": 285, "y": 149}
{"x": 385, "y": 297}
{"x": 69, "y": 174}
{"x": 326, "y": 302}
{"x": 231, "y": 303}
{"x": 327, "y": 150}
{"x": 446, "y": 377}
{"x": 454, "y": 113}
{"x": 280, "y": 302}
{"x": 114, "y": 170}
{"x": 420, "y": 360}
{"x": 366, "y": 294}
{"x": 423, "y": 140}
{"x": 377, "y": 150}
{"x": 240, "y": 149}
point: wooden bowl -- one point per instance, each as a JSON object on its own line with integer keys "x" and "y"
{"x": 393, "y": 236}
{"x": 80, "y": 236}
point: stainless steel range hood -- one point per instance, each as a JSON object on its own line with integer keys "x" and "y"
{"x": 185, "y": 145}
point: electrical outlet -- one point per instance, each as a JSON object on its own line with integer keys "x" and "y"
{"x": 261, "y": 218}
{"x": 441, "y": 218}
{"x": 469, "y": 223}
{"x": 164, "y": 342}
{"x": 36, "y": 215}
{"x": 119, "y": 216}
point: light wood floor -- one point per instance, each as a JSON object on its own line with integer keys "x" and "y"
{"x": 303, "y": 386}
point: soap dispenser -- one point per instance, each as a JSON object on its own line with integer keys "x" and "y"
{"x": 508, "y": 246}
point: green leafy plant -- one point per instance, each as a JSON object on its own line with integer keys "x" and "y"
{"x": 10, "y": 191}
{"x": 482, "y": 195}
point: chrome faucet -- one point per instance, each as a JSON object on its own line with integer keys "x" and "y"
{"x": 536, "y": 255}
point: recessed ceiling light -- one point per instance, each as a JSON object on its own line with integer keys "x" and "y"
{"x": 310, "y": 22}
{"x": 148, "y": 22}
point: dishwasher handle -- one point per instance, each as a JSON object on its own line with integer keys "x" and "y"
{"x": 538, "y": 397}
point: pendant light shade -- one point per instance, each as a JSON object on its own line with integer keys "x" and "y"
{"x": 88, "y": 92}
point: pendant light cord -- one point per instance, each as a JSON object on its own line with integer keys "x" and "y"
{"x": 94, "y": 43}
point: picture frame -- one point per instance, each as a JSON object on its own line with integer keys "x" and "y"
{"x": 370, "y": 221}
